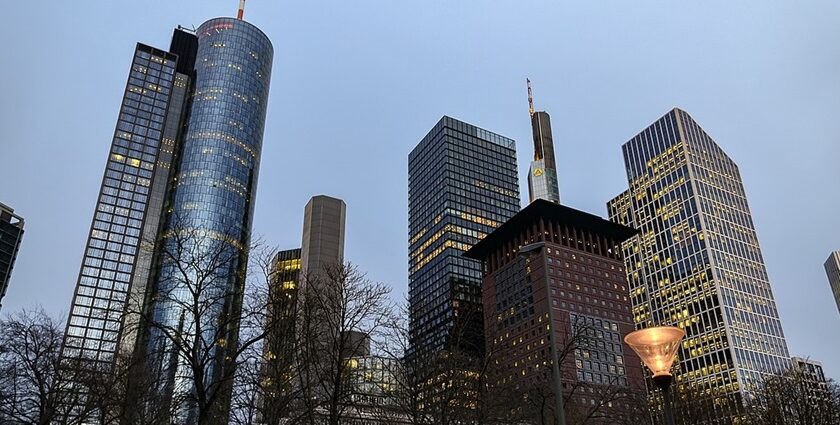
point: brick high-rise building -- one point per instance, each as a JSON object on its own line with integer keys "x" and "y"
{"x": 555, "y": 294}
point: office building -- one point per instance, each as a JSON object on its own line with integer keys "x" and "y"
{"x": 11, "y": 234}
{"x": 555, "y": 293}
{"x": 322, "y": 250}
{"x": 832, "y": 270}
{"x": 815, "y": 382}
{"x": 462, "y": 184}
{"x": 179, "y": 182}
{"x": 280, "y": 341}
{"x": 696, "y": 263}
{"x": 211, "y": 208}
{"x": 322, "y": 246}
{"x": 115, "y": 268}
{"x": 542, "y": 174}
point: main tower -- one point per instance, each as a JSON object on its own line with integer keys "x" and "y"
{"x": 197, "y": 294}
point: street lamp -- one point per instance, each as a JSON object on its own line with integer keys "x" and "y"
{"x": 657, "y": 347}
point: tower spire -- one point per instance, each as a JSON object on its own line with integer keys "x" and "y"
{"x": 241, "y": 11}
{"x": 530, "y": 98}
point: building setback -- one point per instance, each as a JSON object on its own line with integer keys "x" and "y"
{"x": 462, "y": 184}
{"x": 696, "y": 263}
{"x": 554, "y": 282}
{"x": 11, "y": 234}
{"x": 832, "y": 270}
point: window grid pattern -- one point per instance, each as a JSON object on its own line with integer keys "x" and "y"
{"x": 696, "y": 263}
{"x": 213, "y": 193}
{"x": 462, "y": 185}
{"x": 109, "y": 260}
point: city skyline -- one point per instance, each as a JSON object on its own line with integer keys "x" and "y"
{"x": 63, "y": 218}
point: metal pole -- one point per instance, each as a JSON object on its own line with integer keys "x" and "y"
{"x": 559, "y": 409}
{"x": 666, "y": 397}
{"x": 664, "y": 383}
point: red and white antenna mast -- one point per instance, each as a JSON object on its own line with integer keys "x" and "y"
{"x": 241, "y": 11}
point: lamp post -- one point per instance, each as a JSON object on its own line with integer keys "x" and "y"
{"x": 657, "y": 347}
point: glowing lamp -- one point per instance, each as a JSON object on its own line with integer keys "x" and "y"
{"x": 657, "y": 347}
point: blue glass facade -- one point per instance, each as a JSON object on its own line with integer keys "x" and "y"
{"x": 203, "y": 255}
{"x": 462, "y": 184}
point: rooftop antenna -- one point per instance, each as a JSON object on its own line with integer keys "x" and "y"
{"x": 530, "y": 98}
{"x": 241, "y": 11}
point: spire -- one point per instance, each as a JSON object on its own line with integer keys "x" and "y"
{"x": 530, "y": 98}
{"x": 241, "y": 11}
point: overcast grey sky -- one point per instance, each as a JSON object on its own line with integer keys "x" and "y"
{"x": 356, "y": 84}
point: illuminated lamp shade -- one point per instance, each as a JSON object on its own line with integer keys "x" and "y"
{"x": 657, "y": 347}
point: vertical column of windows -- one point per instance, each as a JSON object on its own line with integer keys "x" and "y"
{"x": 108, "y": 263}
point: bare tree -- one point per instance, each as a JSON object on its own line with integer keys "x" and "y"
{"x": 340, "y": 312}
{"x": 197, "y": 323}
{"x": 35, "y": 386}
{"x": 794, "y": 398}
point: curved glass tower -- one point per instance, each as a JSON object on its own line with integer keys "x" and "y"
{"x": 203, "y": 254}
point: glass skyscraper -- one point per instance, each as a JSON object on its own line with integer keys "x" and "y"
{"x": 542, "y": 175}
{"x": 462, "y": 184}
{"x": 115, "y": 270}
{"x": 696, "y": 263}
{"x": 178, "y": 190}
{"x": 211, "y": 208}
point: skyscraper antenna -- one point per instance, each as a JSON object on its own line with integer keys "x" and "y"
{"x": 530, "y": 98}
{"x": 241, "y": 11}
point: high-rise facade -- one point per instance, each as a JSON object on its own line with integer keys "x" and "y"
{"x": 696, "y": 263}
{"x": 542, "y": 174}
{"x": 178, "y": 193}
{"x": 211, "y": 208}
{"x": 115, "y": 269}
{"x": 813, "y": 377}
{"x": 557, "y": 308}
{"x": 832, "y": 270}
{"x": 462, "y": 184}
{"x": 11, "y": 234}
{"x": 323, "y": 236}
{"x": 322, "y": 249}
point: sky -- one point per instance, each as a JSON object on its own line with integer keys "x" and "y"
{"x": 357, "y": 84}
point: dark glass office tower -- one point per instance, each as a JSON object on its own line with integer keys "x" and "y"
{"x": 696, "y": 263}
{"x": 115, "y": 270}
{"x": 11, "y": 233}
{"x": 211, "y": 209}
{"x": 462, "y": 184}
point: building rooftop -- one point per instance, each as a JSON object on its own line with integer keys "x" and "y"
{"x": 546, "y": 209}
